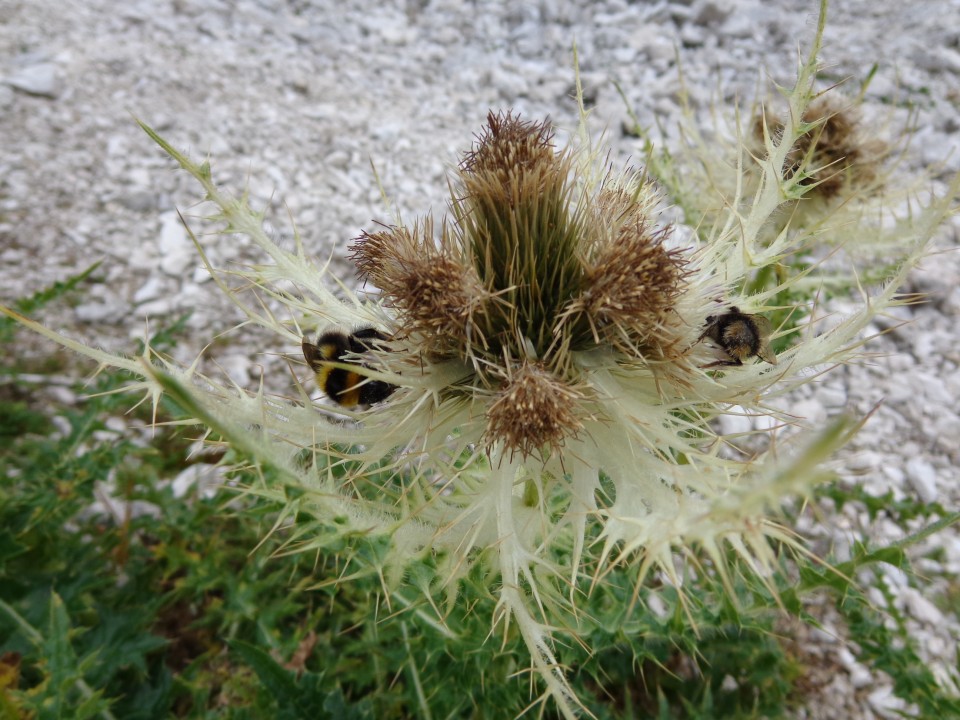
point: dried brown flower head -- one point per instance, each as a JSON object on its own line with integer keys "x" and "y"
{"x": 508, "y": 147}
{"x": 836, "y": 153}
{"x": 533, "y": 410}
{"x": 436, "y": 296}
{"x": 631, "y": 280}
{"x": 533, "y": 268}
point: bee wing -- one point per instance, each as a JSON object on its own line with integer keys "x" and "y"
{"x": 312, "y": 354}
{"x": 764, "y": 330}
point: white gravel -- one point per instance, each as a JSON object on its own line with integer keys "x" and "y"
{"x": 295, "y": 98}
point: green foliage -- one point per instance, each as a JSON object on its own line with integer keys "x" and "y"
{"x": 887, "y": 505}
{"x": 707, "y": 657}
{"x": 180, "y": 610}
{"x": 43, "y": 297}
{"x": 888, "y": 646}
{"x": 163, "y": 607}
{"x": 881, "y": 635}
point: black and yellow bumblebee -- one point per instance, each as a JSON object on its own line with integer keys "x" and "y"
{"x": 740, "y": 336}
{"x": 347, "y": 387}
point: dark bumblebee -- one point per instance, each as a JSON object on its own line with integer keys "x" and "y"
{"x": 740, "y": 336}
{"x": 348, "y": 388}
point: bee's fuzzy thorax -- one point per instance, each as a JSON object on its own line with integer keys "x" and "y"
{"x": 740, "y": 336}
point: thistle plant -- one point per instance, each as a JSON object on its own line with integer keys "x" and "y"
{"x": 554, "y": 379}
{"x": 842, "y": 171}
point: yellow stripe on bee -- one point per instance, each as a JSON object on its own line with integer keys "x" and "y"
{"x": 351, "y": 396}
{"x": 349, "y": 381}
{"x": 321, "y": 373}
{"x": 329, "y": 351}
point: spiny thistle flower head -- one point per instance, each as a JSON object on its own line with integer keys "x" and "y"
{"x": 532, "y": 270}
{"x": 828, "y": 166}
{"x": 837, "y": 155}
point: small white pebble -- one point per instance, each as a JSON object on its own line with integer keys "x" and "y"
{"x": 205, "y": 478}
{"x": 885, "y": 703}
{"x": 923, "y": 479}
{"x": 657, "y": 606}
{"x": 176, "y": 250}
{"x": 921, "y": 608}
{"x": 859, "y": 674}
{"x": 735, "y": 421}
{"x": 831, "y": 397}
{"x": 39, "y": 79}
{"x": 116, "y": 424}
{"x": 810, "y": 411}
{"x": 152, "y": 288}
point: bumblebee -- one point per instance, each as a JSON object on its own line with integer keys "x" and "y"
{"x": 740, "y": 336}
{"x": 348, "y": 388}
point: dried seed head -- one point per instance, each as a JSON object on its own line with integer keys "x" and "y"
{"x": 616, "y": 207}
{"x": 534, "y": 410}
{"x": 508, "y": 146}
{"x": 520, "y": 227}
{"x": 632, "y": 281}
{"x": 435, "y": 294}
{"x": 387, "y": 255}
{"x": 836, "y": 153}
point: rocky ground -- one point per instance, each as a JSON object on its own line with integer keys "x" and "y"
{"x": 294, "y": 99}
